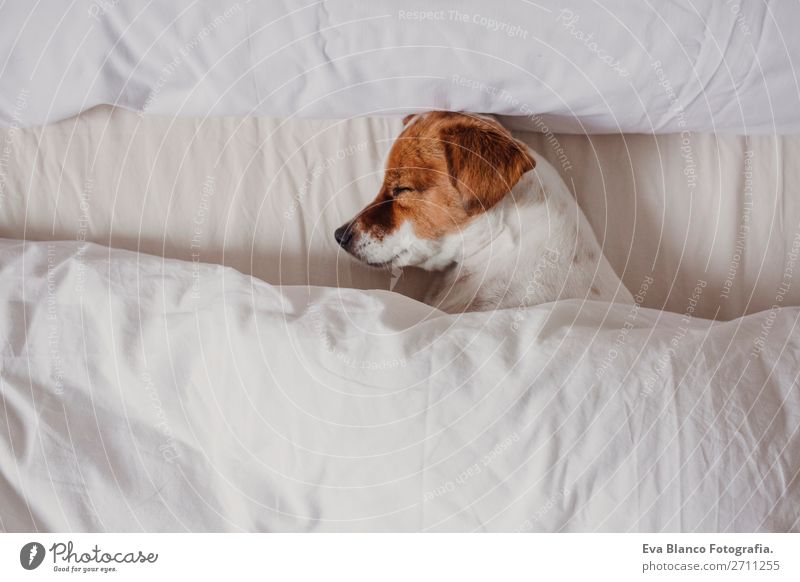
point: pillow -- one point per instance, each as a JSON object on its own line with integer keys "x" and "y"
{"x": 618, "y": 66}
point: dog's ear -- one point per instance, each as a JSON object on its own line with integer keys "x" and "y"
{"x": 484, "y": 162}
{"x": 408, "y": 118}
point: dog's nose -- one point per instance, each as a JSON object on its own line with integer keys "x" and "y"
{"x": 343, "y": 235}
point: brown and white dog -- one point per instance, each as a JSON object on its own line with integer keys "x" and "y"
{"x": 462, "y": 196}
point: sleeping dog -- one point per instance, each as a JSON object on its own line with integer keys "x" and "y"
{"x": 462, "y": 197}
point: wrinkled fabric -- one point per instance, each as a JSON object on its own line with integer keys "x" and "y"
{"x": 613, "y": 66}
{"x": 143, "y": 394}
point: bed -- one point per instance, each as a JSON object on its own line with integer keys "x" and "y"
{"x": 185, "y": 348}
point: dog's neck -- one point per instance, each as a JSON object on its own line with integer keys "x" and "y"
{"x": 511, "y": 225}
{"x": 533, "y": 247}
{"x": 528, "y": 221}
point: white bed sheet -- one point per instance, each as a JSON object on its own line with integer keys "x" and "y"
{"x": 141, "y": 394}
{"x": 264, "y": 196}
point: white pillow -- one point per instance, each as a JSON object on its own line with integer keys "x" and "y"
{"x": 614, "y": 66}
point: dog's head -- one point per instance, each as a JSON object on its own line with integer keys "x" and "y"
{"x": 443, "y": 171}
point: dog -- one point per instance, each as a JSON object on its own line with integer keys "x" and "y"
{"x": 462, "y": 197}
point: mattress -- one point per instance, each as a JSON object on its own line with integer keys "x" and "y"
{"x": 673, "y": 212}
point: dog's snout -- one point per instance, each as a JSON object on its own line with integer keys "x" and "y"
{"x": 343, "y": 235}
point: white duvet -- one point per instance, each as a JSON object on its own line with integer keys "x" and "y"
{"x": 140, "y": 393}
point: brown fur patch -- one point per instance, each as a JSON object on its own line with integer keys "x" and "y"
{"x": 442, "y": 171}
{"x": 484, "y": 162}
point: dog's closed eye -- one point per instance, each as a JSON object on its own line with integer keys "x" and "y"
{"x": 400, "y": 189}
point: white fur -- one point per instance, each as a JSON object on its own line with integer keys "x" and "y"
{"x": 533, "y": 247}
{"x": 392, "y": 249}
